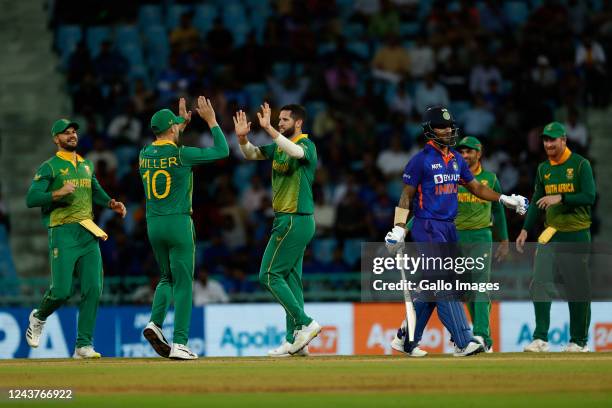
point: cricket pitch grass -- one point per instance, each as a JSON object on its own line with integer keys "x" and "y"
{"x": 495, "y": 380}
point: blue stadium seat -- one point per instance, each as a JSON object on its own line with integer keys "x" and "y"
{"x": 281, "y": 70}
{"x": 361, "y": 48}
{"x": 353, "y": 30}
{"x": 313, "y": 108}
{"x": 67, "y": 37}
{"x": 409, "y": 29}
{"x": 95, "y": 36}
{"x": 243, "y": 173}
{"x": 323, "y": 249}
{"x": 125, "y": 155}
{"x": 240, "y": 31}
{"x": 126, "y": 34}
{"x": 516, "y": 12}
{"x": 326, "y": 48}
{"x": 458, "y": 108}
{"x": 233, "y": 13}
{"x": 132, "y": 51}
{"x": 140, "y": 72}
{"x": 148, "y": 15}
{"x": 257, "y": 92}
{"x": 204, "y": 17}
{"x": 352, "y": 251}
{"x": 173, "y": 15}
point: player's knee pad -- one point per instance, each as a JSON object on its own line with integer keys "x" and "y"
{"x": 453, "y": 318}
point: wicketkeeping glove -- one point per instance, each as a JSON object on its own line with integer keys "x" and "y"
{"x": 395, "y": 239}
{"x": 515, "y": 202}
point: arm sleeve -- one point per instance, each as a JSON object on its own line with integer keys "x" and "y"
{"x": 533, "y": 212}
{"x": 251, "y": 152}
{"x": 413, "y": 173}
{"x": 268, "y": 150}
{"x": 500, "y": 227}
{"x": 37, "y": 195}
{"x": 98, "y": 195}
{"x": 192, "y": 156}
{"x": 586, "y": 196}
{"x": 292, "y": 149}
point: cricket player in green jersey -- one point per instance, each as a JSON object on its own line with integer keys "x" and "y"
{"x": 65, "y": 187}
{"x": 294, "y": 162}
{"x": 166, "y": 171}
{"x": 474, "y": 220}
{"x": 565, "y": 191}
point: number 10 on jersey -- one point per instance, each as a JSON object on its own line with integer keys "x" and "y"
{"x": 151, "y": 185}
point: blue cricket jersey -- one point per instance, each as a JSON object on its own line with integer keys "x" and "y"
{"x": 436, "y": 177}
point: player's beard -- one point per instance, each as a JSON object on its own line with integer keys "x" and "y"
{"x": 288, "y": 132}
{"x": 68, "y": 147}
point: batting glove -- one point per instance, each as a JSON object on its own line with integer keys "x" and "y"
{"x": 395, "y": 239}
{"x": 515, "y": 202}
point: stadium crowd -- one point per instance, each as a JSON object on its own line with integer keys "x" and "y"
{"x": 365, "y": 70}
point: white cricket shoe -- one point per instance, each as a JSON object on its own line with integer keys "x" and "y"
{"x": 304, "y": 336}
{"x": 85, "y": 352}
{"x": 574, "y": 348}
{"x": 283, "y": 351}
{"x": 480, "y": 340}
{"x": 471, "y": 349}
{"x": 156, "y": 338}
{"x": 397, "y": 344}
{"x": 537, "y": 346}
{"x": 34, "y": 330}
{"x": 182, "y": 352}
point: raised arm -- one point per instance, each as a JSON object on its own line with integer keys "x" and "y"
{"x": 242, "y": 127}
{"x": 192, "y": 156}
{"x": 286, "y": 145}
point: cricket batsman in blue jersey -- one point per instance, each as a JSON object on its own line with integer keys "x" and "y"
{"x": 431, "y": 180}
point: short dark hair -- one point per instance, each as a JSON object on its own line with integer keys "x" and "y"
{"x": 297, "y": 111}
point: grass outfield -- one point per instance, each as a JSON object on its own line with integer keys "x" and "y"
{"x": 495, "y": 380}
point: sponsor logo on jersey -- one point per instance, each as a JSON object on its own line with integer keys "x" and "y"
{"x": 436, "y": 166}
{"x": 446, "y": 178}
{"x": 64, "y": 171}
{"x": 547, "y": 176}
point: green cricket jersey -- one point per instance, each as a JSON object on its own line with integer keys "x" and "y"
{"x": 572, "y": 177}
{"x": 292, "y": 178}
{"x": 474, "y": 213}
{"x": 166, "y": 173}
{"x": 75, "y": 207}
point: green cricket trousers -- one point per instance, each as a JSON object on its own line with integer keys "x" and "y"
{"x": 281, "y": 266}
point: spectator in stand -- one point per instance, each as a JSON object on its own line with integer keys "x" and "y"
{"x": 291, "y": 90}
{"x": 422, "y": 58}
{"x": 88, "y": 96}
{"x": 591, "y": 58}
{"x": 220, "y": 42}
{"x": 544, "y": 79}
{"x": 492, "y": 17}
{"x": 185, "y": 37}
{"x": 258, "y": 58}
{"x": 125, "y": 128}
{"x": 143, "y": 99}
{"x": 454, "y": 77}
{"x": 110, "y": 65}
{"x": 576, "y": 132}
{"x": 384, "y": 22}
{"x": 100, "y": 153}
{"x": 477, "y": 120}
{"x": 482, "y": 74}
{"x": 79, "y": 63}
{"x": 207, "y": 290}
{"x": 392, "y": 161}
{"x": 254, "y": 195}
{"x": 402, "y": 102}
{"x": 429, "y": 93}
{"x": 391, "y": 61}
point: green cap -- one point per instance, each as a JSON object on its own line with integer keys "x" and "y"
{"x": 471, "y": 142}
{"x": 163, "y": 119}
{"x": 554, "y": 130}
{"x": 61, "y": 125}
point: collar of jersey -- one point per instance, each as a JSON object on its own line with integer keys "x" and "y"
{"x": 566, "y": 154}
{"x": 446, "y": 157}
{"x": 68, "y": 157}
{"x": 297, "y": 138}
{"x": 161, "y": 142}
{"x": 478, "y": 170}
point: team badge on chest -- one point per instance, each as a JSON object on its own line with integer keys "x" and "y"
{"x": 569, "y": 174}
{"x": 455, "y": 166}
